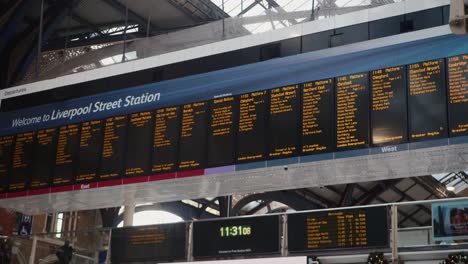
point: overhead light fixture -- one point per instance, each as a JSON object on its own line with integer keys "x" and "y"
{"x": 450, "y": 188}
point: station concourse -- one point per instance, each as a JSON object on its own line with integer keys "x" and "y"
{"x": 233, "y": 131}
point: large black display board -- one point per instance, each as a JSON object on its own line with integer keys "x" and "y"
{"x": 43, "y": 158}
{"x": 222, "y": 131}
{"x": 149, "y": 243}
{"x": 389, "y": 106}
{"x": 457, "y": 73}
{"x": 340, "y": 229}
{"x": 6, "y": 156}
{"x": 427, "y": 103}
{"x": 139, "y": 149}
{"x": 192, "y": 154}
{"x": 22, "y": 156}
{"x": 90, "y": 150}
{"x": 284, "y": 122}
{"x": 113, "y": 148}
{"x": 251, "y": 139}
{"x": 66, "y": 159}
{"x": 237, "y": 236}
{"x": 317, "y": 113}
{"x": 166, "y": 139}
{"x": 352, "y": 111}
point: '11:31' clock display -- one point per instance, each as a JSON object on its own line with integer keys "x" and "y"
{"x": 232, "y": 231}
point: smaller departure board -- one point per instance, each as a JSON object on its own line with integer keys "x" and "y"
{"x": 458, "y": 95}
{"x": 167, "y": 242}
{"x": 337, "y": 230}
{"x": 236, "y": 236}
{"x": 352, "y": 111}
{"x": 427, "y": 101}
{"x": 251, "y": 139}
{"x": 284, "y": 122}
{"x": 22, "y": 158}
{"x": 222, "y": 131}
{"x": 317, "y": 113}
{"x": 139, "y": 148}
{"x": 66, "y": 159}
{"x": 6, "y": 157}
{"x": 43, "y": 158}
{"x": 389, "y": 111}
{"x": 166, "y": 139}
{"x": 113, "y": 148}
{"x": 192, "y": 154}
{"x": 90, "y": 151}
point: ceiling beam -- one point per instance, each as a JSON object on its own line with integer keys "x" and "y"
{"x": 8, "y": 30}
{"x": 131, "y": 14}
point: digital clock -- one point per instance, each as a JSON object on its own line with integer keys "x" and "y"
{"x": 232, "y": 231}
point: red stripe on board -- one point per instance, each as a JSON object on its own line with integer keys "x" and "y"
{"x": 164, "y": 176}
{"x": 184, "y": 174}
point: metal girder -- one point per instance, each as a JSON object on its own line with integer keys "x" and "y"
{"x": 9, "y": 30}
{"x": 310, "y": 195}
{"x": 207, "y": 11}
{"x": 431, "y": 185}
{"x": 131, "y": 14}
{"x": 109, "y": 216}
{"x": 408, "y": 217}
{"x": 289, "y": 198}
{"x": 373, "y": 193}
{"x": 55, "y": 15}
{"x": 183, "y": 210}
{"x": 347, "y": 197}
{"x": 247, "y": 9}
{"x": 85, "y": 22}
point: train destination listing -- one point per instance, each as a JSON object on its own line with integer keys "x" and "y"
{"x": 427, "y": 103}
{"x": 457, "y": 71}
{"x": 338, "y": 229}
{"x": 389, "y": 99}
{"x": 352, "y": 111}
{"x": 317, "y": 107}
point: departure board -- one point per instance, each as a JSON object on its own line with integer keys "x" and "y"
{"x": 427, "y": 101}
{"x": 192, "y": 154}
{"x": 352, "y": 111}
{"x": 113, "y": 148}
{"x": 236, "y": 236}
{"x": 6, "y": 157}
{"x": 458, "y": 95}
{"x": 166, "y": 139}
{"x": 317, "y": 121}
{"x": 43, "y": 158}
{"x": 66, "y": 159}
{"x": 338, "y": 230}
{"x": 251, "y": 140}
{"x": 166, "y": 242}
{"x": 90, "y": 151}
{"x": 284, "y": 124}
{"x": 389, "y": 111}
{"x": 22, "y": 157}
{"x": 139, "y": 148}
{"x": 222, "y": 131}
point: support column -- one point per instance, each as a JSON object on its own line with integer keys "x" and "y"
{"x": 394, "y": 234}
{"x": 32, "y": 256}
{"x": 129, "y": 211}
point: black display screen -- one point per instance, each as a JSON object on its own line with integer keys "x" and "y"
{"x": 166, "y": 139}
{"x": 238, "y": 236}
{"x": 317, "y": 113}
{"x": 113, "y": 148}
{"x": 457, "y": 72}
{"x": 22, "y": 158}
{"x": 192, "y": 154}
{"x": 340, "y": 229}
{"x": 6, "y": 157}
{"x": 427, "y": 101}
{"x": 251, "y": 139}
{"x": 222, "y": 131}
{"x": 139, "y": 149}
{"x": 284, "y": 122}
{"x": 43, "y": 158}
{"x": 67, "y": 155}
{"x": 91, "y": 139}
{"x": 166, "y": 242}
{"x": 389, "y": 111}
{"x": 352, "y": 111}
